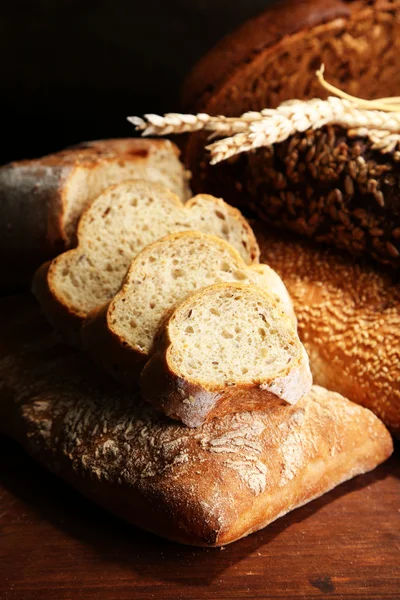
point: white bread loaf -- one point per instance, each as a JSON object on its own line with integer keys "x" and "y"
{"x": 120, "y": 334}
{"x": 226, "y": 348}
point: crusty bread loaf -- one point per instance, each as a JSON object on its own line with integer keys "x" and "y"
{"x": 119, "y": 223}
{"x": 348, "y": 315}
{"x": 41, "y": 200}
{"x": 323, "y": 184}
{"x": 207, "y": 486}
{"x": 119, "y": 335}
{"x": 226, "y": 348}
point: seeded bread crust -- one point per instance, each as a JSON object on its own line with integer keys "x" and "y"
{"x": 66, "y": 313}
{"x": 348, "y": 315}
{"x": 35, "y": 195}
{"x": 205, "y": 487}
{"x": 107, "y": 340}
{"x": 324, "y": 184}
{"x": 331, "y": 188}
{"x": 194, "y": 402}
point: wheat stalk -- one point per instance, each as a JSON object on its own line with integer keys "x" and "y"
{"x": 382, "y": 128}
{"x": 378, "y": 120}
{"x": 175, "y": 123}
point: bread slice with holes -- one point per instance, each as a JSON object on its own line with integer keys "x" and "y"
{"x": 120, "y": 334}
{"x": 227, "y": 348}
{"x": 41, "y": 200}
{"x": 115, "y": 228}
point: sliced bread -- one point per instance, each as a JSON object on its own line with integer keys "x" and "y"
{"x": 227, "y": 348}
{"x": 119, "y": 335}
{"x": 41, "y": 200}
{"x": 115, "y": 228}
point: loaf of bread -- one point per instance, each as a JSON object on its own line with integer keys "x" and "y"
{"x": 41, "y": 200}
{"x": 207, "y": 486}
{"x": 348, "y": 315}
{"x": 119, "y": 223}
{"x": 224, "y": 349}
{"x": 120, "y": 334}
{"x": 323, "y": 184}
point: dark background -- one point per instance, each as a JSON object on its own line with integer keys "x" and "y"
{"x": 72, "y": 70}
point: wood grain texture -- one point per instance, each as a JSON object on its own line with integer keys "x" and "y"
{"x": 55, "y": 545}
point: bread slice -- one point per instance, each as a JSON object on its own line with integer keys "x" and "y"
{"x": 207, "y": 486}
{"x": 119, "y": 223}
{"x": 227, "y": 348}
{"x": 41, "y": 200}
{"x": 120, "y": 334}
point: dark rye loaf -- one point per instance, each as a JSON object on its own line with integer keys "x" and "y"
{"x": 324, "y": 185}
{"x": 205, "y": 487}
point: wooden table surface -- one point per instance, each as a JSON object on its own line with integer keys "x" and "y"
{"x": 55, "y": 545}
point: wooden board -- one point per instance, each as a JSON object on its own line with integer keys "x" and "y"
{"x": 55, "y": 545}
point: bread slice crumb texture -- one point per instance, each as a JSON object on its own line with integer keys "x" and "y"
{"x": 120, "y": 223}
{"x": 232, "y": 334}
{"x": 167, "y": 271}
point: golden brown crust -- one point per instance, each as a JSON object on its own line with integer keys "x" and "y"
{"x": 348, "y": 318}
{"x": 208, "y": 486}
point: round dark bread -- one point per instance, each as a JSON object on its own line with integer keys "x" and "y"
{"x": 273, "y": 58}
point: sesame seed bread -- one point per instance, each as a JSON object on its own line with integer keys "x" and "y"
{"x": 348, "y": 315}
{"x": 115, "y": 228}
{"x": 208, "y": 486}
{"x": 119, "y": 335}
{"x": 323, "y": 184}
{"x": 41, "y": 200}
{"x": 226, "y": 348}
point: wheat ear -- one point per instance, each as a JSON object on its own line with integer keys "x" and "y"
{"x": 378, "y": 120}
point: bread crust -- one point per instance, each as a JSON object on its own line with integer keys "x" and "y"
{"x": 205, "y": 487}
{"x": 194, "y": 403}
{"x": 348, "y": 315}
{"x": 33, "y": 199}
